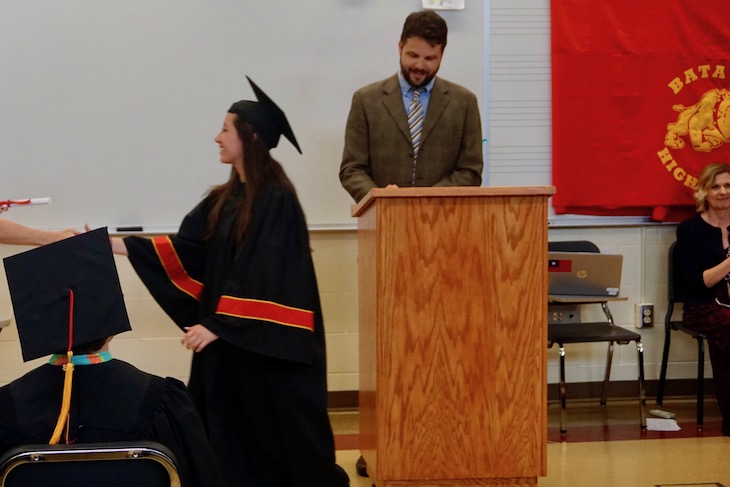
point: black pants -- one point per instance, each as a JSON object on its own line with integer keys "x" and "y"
{"x": 713, "y": 321}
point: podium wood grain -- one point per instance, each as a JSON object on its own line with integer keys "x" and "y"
{"x": 453, "y": 288}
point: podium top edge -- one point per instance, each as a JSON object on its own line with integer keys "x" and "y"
{"x": 449, "y": 191}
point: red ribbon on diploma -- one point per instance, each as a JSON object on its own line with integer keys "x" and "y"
{"x": 4, "y": 205}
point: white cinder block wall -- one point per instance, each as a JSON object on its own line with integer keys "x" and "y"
{"x": 153, "y": 345}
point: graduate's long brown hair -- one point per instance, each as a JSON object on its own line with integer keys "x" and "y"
{"x": 259, "y": 169}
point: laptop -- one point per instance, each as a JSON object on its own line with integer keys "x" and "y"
{"x": 576, "y": 274}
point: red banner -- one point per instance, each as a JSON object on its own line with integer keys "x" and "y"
{"x": 641, "y": 102}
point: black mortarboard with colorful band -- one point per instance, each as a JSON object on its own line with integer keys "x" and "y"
{"x": 42, "y": 281}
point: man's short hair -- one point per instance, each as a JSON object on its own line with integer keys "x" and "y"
{"x": 426, "y": 24}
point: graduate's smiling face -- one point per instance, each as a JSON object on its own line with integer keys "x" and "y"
{"x": 231, "y": 147}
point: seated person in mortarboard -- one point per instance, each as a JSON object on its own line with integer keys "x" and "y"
{"x": 68, "y": 302}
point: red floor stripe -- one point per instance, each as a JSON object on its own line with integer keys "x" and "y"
{"x": 347, "y": 442}
{"x": 582, "y": 434}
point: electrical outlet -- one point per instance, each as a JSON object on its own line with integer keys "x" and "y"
{"x": 644, "y": 315}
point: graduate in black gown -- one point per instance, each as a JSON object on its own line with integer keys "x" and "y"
{"x": 67, "y": 301}
{"x": 238, "y": 279}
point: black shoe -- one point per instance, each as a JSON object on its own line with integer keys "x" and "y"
{"x": 361, "y": 467}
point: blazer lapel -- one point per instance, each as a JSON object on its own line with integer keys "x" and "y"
{"x": 436, "y": 106}
{"x": 393, "y": 102}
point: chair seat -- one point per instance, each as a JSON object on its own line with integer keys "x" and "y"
{"x": 589, "y": 332}
{"x": 679, "y": 326}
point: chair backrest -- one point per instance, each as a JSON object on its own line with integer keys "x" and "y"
{"x": 675, "y": 289}
{"x": 146, "y": 463}
{"x": 573, "y": 246}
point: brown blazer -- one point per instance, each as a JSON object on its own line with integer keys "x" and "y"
{"x": 378, "y": 148}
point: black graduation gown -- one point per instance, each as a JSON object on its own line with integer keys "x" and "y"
{"x": 261, "y": 387}
{"x": 111, "y": 401}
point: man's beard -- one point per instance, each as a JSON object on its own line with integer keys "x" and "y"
{"x": 407, "y": 75}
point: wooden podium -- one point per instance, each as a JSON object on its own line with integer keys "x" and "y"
{"x": 453, "y": 335}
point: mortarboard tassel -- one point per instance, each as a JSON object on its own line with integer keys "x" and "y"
{"x": 68, "y": 378}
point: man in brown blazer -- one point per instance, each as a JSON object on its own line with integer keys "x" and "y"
{"x": 379, "y": 151}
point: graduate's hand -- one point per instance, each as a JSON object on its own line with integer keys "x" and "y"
{"x": 118, "y": 246}
{"x": 117, "y": 243}
{"x": 197, "y": 337}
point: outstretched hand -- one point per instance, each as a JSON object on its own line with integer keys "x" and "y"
{"x": 62, "y": 234}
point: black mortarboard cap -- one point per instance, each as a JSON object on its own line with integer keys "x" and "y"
{"x": 267, "y": 119}
{"x": 40, "y": 280}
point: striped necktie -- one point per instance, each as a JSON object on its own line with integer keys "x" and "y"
{"x": 415, "y": 120}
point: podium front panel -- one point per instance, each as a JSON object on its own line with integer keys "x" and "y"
{"x": 453, "y": 337}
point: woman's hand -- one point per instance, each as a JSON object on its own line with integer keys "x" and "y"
{"x": 713, "y": 275}
{"x": 197, "y": 337}
{"x": 117, "y": 243}
{"x": 118, "y": 246}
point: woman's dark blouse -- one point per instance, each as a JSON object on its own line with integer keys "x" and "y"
{"x": 700, "y": 248}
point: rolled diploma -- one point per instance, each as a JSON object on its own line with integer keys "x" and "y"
{"x": 30, "y": 201}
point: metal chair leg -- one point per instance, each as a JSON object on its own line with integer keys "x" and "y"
{"x": 607, "y": 375}
{"x": 609, "y": 359}
{"x": 607, "y": 312}
{"x": 642, "y": 396}
{"x": 665, "y": 362}
{"x": 700, "y": 383}
{"x": 562, "y": 391}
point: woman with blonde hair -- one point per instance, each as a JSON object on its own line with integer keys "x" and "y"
{"x": 703, "y": 246}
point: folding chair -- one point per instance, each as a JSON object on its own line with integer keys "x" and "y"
{"x": 675, "y": 295}
{"x": 122, "y": 464}
{"x": 603, "y": 331}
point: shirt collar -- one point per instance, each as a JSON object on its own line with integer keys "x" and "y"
{"x": 405, "y": 86}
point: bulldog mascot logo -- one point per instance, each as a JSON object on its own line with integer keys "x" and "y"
{"x": 707, "y": 123}
{"x": 700, "y": 128}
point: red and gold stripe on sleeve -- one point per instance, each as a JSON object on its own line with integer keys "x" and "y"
{"x": 266, "y": 311}
{"x": 174, "y": 268}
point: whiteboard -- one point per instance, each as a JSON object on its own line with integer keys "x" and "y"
{"x": 110, "y": 107}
